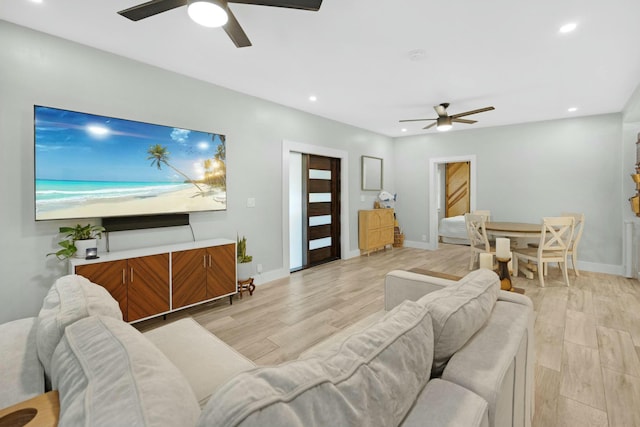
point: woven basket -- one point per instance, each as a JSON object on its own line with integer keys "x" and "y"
{"x": 398, "y": 240}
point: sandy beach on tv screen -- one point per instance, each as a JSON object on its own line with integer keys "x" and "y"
{"x": 187, "y": 200}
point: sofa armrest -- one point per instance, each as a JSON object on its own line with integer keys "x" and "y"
{"x": 401, "y": 285}
{"x": 204, "y": 359}
{"x": 21, "y": 374}
{"x": 515, "y": 297}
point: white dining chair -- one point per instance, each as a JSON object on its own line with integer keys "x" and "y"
{"x": 485, "y": 213}
{"x": 477, "y": 234}
{"x": 578, "y": 225}
{"x": 555, "y": 239}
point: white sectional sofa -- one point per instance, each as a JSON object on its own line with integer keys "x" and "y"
{"x": 446, "y": 354}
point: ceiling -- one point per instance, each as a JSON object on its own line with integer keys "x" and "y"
{"x": 356, "y": 56}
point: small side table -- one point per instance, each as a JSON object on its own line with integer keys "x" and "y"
{"x": 42, "y": 410}
{"x": 246, "y": 285}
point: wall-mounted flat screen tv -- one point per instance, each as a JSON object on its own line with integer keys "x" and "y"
{"x": 91, "y": 166}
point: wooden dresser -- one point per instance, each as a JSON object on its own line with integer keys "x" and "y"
{"x": 375, "y": 229}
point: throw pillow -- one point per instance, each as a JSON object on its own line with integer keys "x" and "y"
{"x": 71, "y": 298}
{"x": 108, "y": 374}
{"x": 372, "y": 379}
{"x": 458, "y": 312}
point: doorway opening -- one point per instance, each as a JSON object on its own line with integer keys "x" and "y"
{"x": 437, "y": 170}
{"x": 291, "y": 218}
{"x": 314, "y": 210}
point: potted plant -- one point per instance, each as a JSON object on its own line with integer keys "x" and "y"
{"x": 245, "y": 266}
{"x": 77, "y": 239}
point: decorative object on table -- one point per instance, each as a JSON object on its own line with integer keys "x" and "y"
{"x": 635, "y": 200}
{"x": 78, "y": 240}
{"x": 386, "y": 200}
{"x": 486, "y": 260}
{"x": 245, "y": 262}
{"x": 503, "y": 256}
{"x": 371, "y": 173}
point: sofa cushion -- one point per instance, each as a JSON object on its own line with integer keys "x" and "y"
{"x": 493, "y": 364}
{"x": 458, "y": 311}
{"x": 205, "y": 360}
{"x": 445, "y": 404}
{"x": 108, "y": 374}
{"x": 21, "y": 373}
{"x": 70, "y": 298}
{"x": 371, "y": 379}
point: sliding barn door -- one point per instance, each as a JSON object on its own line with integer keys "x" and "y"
{"x": 457, "y": 189}
{"x": 321, "y": 190}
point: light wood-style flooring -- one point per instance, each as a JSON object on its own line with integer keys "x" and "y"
{"x": 587, "y": 335}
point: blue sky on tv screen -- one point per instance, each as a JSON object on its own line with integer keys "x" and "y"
{"x": 85, "y": 147}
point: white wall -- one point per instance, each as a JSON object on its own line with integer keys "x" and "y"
{"x": 39, "y": 69}
{"x": 528, "y": 171}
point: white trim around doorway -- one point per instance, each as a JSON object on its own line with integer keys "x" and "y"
{"x": 298, "y": 147}
{"x": 433, "y": 203}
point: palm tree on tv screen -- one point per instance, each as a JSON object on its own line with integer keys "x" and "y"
{"x": 159, "y": 155}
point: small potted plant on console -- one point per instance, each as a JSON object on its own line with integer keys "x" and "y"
{"x": 245, "y": 265}
{"x": 77, "y": 240}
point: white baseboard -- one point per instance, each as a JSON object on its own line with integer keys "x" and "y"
{"x": 270, "y": 276}
{"x": 420, "y": 245}
{"x": 594, "y": 267}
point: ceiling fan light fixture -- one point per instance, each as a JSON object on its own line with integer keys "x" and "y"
{"x": 443, "y": 124}
{"x": 208, "y": 13}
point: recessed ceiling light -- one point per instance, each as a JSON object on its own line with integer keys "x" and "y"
{"x": 403, "y": 130}
{"x": 572, "y": 109}
{"x": 36, "y": 1}
{"x": 567, "y": 28}
{"x": 417, "y": 54}
{"x": 313, "y": 98}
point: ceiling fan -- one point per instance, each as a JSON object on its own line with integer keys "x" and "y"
{"x": 214, "y": 13}
{"x": 444, "y": 121}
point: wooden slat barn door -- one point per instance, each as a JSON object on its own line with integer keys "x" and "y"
{"x": 322, "y": 194}
{"x": 457, "y": 189}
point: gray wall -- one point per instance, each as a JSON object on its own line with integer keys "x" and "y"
{"x": 39, "y": 69}
{"x": 524, "y": 171}
{"x": 528, "y": 171}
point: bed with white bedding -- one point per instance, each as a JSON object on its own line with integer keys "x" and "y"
{"x": 453, "y": 230}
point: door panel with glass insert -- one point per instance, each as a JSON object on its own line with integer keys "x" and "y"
{"x": 323, "y": 209}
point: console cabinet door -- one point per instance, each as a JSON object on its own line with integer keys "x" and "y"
{"x": 148, "y": 286}
{"x": 111, "y": 276}
{"x": 188, "y": 277}
{"x": 221, "y": 270}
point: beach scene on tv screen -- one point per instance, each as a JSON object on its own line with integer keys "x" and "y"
{"x": 90, "y": 166}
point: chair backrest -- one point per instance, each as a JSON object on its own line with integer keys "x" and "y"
{"x": 556, "y": 235}
{"x": 476, "y": 232}
{"x": 578, "y": 225}
{"x": 485, "y": 213}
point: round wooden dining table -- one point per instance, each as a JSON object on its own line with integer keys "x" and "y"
{"x": 513, "y": 229}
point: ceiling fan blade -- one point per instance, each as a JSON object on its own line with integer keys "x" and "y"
{"x": 430, "y": 126}
{"x": 235, "y": 31}
{"x": 467, "y": 121}
{"x": 468, "y": 113}
{"x": 414, "y": 120}
{"x": 151, "y": 8}
{"x": 441, "y": 110}
{"x": 313, "y": 5}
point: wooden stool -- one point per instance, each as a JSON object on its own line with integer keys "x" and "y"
{"x": 246, "y": 285}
